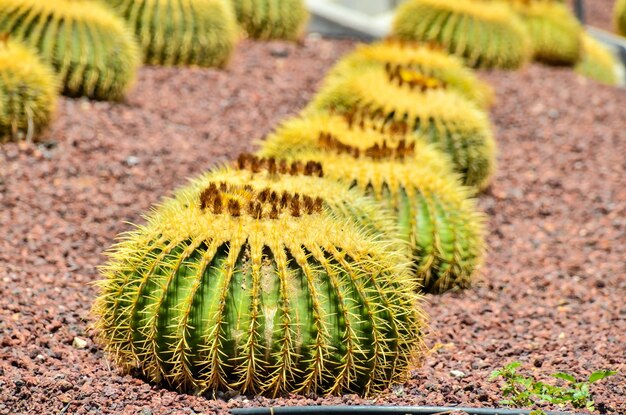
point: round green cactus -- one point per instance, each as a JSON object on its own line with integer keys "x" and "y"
{"x": 28, "y": 92}
{"x": 181, "y": 32}
{"x": 554, "y": 30}
{"x": 597, "y": 62}
{"x": 620, "y": 17}
{"x": 426, "y": 107}
{"x": 434, "y": 214}
{"x": 226, "y": 287}
{"x": 91, "y": 49}
{"x": 486, "y": 35}
{"x": 272, "y": 19}
{"x": 422, "y": 58}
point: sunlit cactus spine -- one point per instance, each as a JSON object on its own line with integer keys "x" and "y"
{"x": 434, "y": 213}
{"x": 181, "y": 32}
{"x": 424, "y": 106}
{"x": 28, "y": 92}
{"x": 227, "y": 288}
{"x": 620, "y": 17}
{"x": 554, "y": 30}
{"x": 425, "y": 59}
{"x": 485, "y": 34}
{"x": 272, "y": 19}
{"x": 90, "y": 48}
{"x": 597, "y": 62}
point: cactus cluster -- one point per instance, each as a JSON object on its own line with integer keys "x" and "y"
{"x": 442, "y": 117}
{"x": 181, "y": 32}
{"x": 620, "y": 17}
{"x": 434, "y": 213}
{"x": 90, "y": 48}
{"x": 425, "y": 60}
{"x": 272, "y": 19}
{"x": 597, "y": 62}
{"x": 227, "y": 288}
{"x": 28, "y": 92}
{"x": 485, "y": 34}
{"x": 554, "y": 30}
{"x": 301, "y": 269}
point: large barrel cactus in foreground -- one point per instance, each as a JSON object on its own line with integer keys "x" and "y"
{"x": 227, "y": 287}
{"x": 272, "y": 19}
{"x": 620, "y": 17}
{"x": 485, "y": 34}
{"x": 442, "y": 117}
{"x": 90, "y": 48}
{"x": 28, "y": 92}
{"x": 433, "y": 212}
{"x": 554, "y": 30}
{"x": 410, "y": 58}
{"x": 181, "y": 32}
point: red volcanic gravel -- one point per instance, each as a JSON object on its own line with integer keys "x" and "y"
{"x": 551, "y": 294}
{"x": 598, "y": 13}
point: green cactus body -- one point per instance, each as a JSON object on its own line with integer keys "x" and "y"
{"x": 620, "y": 17}
{"x": 485, "y": 35}
{"x": 427, "y": 60}
{"x": 554, "y": 31}
{"x": 92, "y": 51}
{"x": 28, "y": 92}
{"x": 442, "y": 117}
{"x": 597, "y": 62}
{"x": 434, "y": 214}
{"x": 272, "y": 19}
{"x": 227, "y": 287}
{"x": 181, "y": 32}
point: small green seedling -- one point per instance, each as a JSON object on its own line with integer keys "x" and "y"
{"x": 526, "y": 391}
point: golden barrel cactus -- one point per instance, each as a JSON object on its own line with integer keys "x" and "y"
{"x": 272, "y": 19}
{"x": 227, "y": 288}
{"x": 90, "y": 48}
{"x": 28, "y": 92}
{"x": 597, "y": 62}
{"x": 485, "y": 34}
{"x": 181, "y": 32}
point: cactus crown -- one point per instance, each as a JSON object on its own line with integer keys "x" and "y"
{"x": 413, "y": 78}
{"x": 410, "y": 58}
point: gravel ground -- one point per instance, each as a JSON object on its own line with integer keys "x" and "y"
{"x": 552, "y": 290}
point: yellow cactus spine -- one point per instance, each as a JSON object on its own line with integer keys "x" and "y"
{"x": 28, "y": 92}
{"x": 226, "y": 287}
{"x": 91, "y": 49}
{"x": 485, "y": 34}
{"x": 272, "y": 19}
{"x": 181, "y": 32}
{"x": 442, "y": 117}
{"x": 421, "y": 58}
{"x": 433, "y": 212}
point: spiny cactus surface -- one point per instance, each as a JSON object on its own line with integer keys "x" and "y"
{"x": 597, "y": 62}
{"x": 272, "y": 19}
{"x": 28, "y": 92}
{"x": 91, "y": 49}
{"x": 423, "y": 59}
{"x": 227, "y": 287}
{"x": 485, "y": 34}
{"x": 433, "y": 212}
{"x": 620, "y": 17}
{"x": 181, "y": 32}
{"x": 442, "y": 117}
{"x": 554, "y": 30}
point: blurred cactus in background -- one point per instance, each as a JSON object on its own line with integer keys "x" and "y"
{"x": 597, "y": 62}
{"x": 272, "y": 19}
